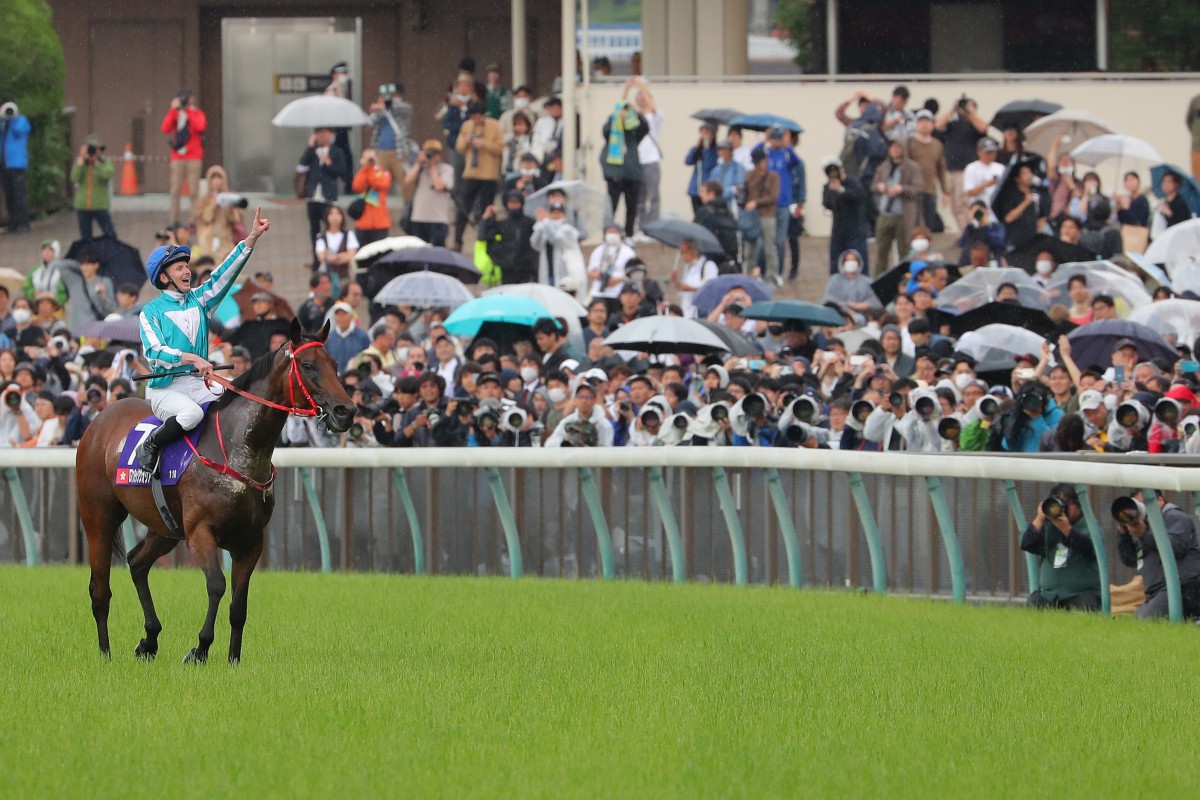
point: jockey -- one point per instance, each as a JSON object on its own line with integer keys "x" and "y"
{"x": 174, "y": 328}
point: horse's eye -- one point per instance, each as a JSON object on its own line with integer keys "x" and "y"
{"x": 309, "y": 367}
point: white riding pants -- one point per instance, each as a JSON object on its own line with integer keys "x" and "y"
{"x": 181, "y": 400}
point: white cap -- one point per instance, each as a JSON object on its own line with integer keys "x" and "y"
{"x": 1091, "y": 399}
{"x": 340, "y": 306}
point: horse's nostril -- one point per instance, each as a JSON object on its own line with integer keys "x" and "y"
{"x": 342, "y": 411}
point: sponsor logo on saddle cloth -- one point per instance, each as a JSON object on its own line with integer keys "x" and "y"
{"x": 173, "y": 462}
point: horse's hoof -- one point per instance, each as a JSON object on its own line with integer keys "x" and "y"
{"x": 144, "y": 652}
{"x": 194, "y": 656}
{"x": 235, "y": 660}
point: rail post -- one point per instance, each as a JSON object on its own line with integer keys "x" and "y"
{"x": 17, "y": 492}
{"x": 949, "y": 537}
{"x": 787, "y": 528}
{"x": 515, "y": 567}
{"x": 591, "y": 496}
{"x": 737, "y": 539}
{"x": 314, "y": 504}
{"x": 866, "y": 515}
{"x": 1162, "y": 541}
{"x": 670, "y": 524}
{"x": 414, "y": 522}
{"x": 1014, "y": 505}
{"x": 1097, "y": 536}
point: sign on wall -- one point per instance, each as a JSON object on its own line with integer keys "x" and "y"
{"x": 301, "y": 84}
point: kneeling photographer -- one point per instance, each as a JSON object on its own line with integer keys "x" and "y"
{"x": 1137, "y": 548}
{"x": 1065, "y": 553}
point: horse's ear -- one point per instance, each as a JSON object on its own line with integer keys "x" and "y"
{"x": 323, "y": 334}
{"x": 296, "y": 333}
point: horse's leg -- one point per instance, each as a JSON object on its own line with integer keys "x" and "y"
{"x": 141, "y": 559}
{"x": 208, "y": 557}
{"x": 243, "y": 567}
{"x": 100, "y": 523}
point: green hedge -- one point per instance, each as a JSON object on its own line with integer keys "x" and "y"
{"x": 32, "y": 74}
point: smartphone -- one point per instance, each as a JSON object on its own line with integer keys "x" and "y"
{"x": 1025, "y": 373}
{"x": 857, "y": 361}
{"x": 756, "y": 364}
{"x": 831, "y": 356}
{"x": 1119, "y": 374}
{"x": 1189, "y": 366}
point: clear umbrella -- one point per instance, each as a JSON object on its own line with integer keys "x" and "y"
{"x": 1177, "y": 320}
{"x": 556, "y": 301}
{"x": 1112, "y": 145}
{"x": 1178, "y": 242}
{"x": 424, "y": 289}
{"x": 979, "y": 288}
{"x": 1074, "y": 126}
{"x": 588, "y": 208}
{"x": 320, "y": 111}
{"x": 1103, "y": 277}
{"x": 996, "y": 341}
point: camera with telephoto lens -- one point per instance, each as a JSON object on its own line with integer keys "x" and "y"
{"x": 720, "y": 412}
{"x": 859, "y": 411}
{"x": 896, "y": 400}
{"x": 624, "y": 407}
{"x": 1168, "y": 411}
{"x": 94, "y": 396}
{"x": 513, "y": 419}
{"x": 1132, "y": 414}
{"x": 356, "y": 431}
{"x": 925, "y": 407}
{"x": 1053, "y": 507}
{"x": 8, "y": 111}
{"x": 1126, "y": 510}
{"x": 949, "y": 428}
{"x": 805, "y": 408}
{"x": 1190, "y": 425}
{"x": 60, "y": 343}
{"x": 1031, "y": 400}
{"x": 232, "y": 200}
{"x": 434, "y": 417}
{"x": 12, "y": 397}
{"x": 464, "y": 407}
{"x": 650, "y": 414}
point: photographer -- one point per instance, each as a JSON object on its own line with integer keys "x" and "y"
{"x": 320, "y": 167}
{"x": 218, "y": 216}
{"x": 391, "y": 415}
{"x": 960, "y": 128}
{"x": 431, "y": 181}
{"x": 372, "y": 182}
{"x": 91, "y": 175}
{"x": 981, "y": 226}
{"x": 586, "y": 411}
{"x": 14, "y": 163}
{"x": 456, "y": 426}
{"x": 90, "y": 294}
{"x": 184, "y": 125}
{"x": 1137, "y": 548}
{"x": 847, "y": 200}
{"x": 18, "y": 421}
{"x": 391, "y": 126}
{"x": 1066, "y": 556}
{"x": 1020, "y": 429}
{"x": 421, "y": 419}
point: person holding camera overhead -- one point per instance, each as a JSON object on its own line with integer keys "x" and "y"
{"x": 90, "y": 295}
{"x": 184, "y": 125}
{"x": 391, "y": 129}
{"x": 218, "y": 216}
{"x": 91, "y": 175}
{"x": 14, "y": 162}
{"x": 1066, "y": 556}
{"x": 432, "y": 183}
{"x": 960, "y": 128}
{"x": 1137, "y": 548}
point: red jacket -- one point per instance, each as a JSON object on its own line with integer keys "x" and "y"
{"x": 197, "y": 123}
{"x": 376, "y": 217}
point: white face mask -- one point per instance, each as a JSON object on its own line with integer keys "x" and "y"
{"x": 612, "y": 239}
{"x": 529, "y": 173}
{"x": 21, "y": 315}
{"x": 529, "y": 374}
{"x": 963, "y": 379}
{"x": 1110, "y": 401}
{"x": 520, "y": 102}
{"x": 1045, "y": 267}
{"x": 920, "y": 245}
{"x": 557, "y": 395}
{"x": 850, "y": 267}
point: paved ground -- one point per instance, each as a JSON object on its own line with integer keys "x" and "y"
{"x": 285, "y": 251}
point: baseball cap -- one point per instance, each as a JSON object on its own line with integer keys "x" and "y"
{"x": 340, "y": 306}
{"x": 265, "y": 276}
{"x": 264, "y": 297}
{"x": 1090, "y": 400}
{"x": 776, "y": 132}
{"x": 1182, "y": 394}
{"x": 630, "y": 286}
{"x": 724, "y": 144}
{"x": 432, "y": 144}
{"x": 987, "y": 145}
{"x": 925, "y": 113}
{"x": 1126, "y": 343}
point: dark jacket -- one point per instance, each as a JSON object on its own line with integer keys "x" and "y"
{"x": 631, "y": 169}
{"x": 849, "y": 209}
{"x": 1181, "y": 529}
{"x": 317, "y": 174}
{"x": 255, "y": 335}
{"x": 715, "y": 216}
{"x": 1062, "y": 576}
{"x": 312, "y": 313}
{"x": 508, "y": 245}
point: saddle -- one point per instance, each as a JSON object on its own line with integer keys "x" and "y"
{"x": 173, "y": 461}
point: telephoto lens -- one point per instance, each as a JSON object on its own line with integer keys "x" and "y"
{"x": 950, "y": 428}
{"x": 1126, "y": 510}
{"x": 12, "y": 399}
{"x": 720, "y": 412}
{"x": 1052, "y": 507}
{"x": 896, "y": 400}
{"x": 924, "y": 407}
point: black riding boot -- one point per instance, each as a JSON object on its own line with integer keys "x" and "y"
{"x": 148, "y": 452}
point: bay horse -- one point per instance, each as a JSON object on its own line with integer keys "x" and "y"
{"x": 223, "y": 502}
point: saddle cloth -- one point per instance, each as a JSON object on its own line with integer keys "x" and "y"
{"x": 174, "y": 460}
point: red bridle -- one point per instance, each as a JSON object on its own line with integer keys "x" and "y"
{"x": 294, "y": 379}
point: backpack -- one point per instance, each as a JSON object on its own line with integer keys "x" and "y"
{"x": 864, "y": 146}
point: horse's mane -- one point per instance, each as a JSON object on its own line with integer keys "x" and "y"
{"x": 260, "y": 368}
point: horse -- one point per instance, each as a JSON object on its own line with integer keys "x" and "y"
{"x": 223, "y": 503}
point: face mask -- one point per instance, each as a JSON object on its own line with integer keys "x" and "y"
{"x": 529, "y": 173}
{"x": 1091, "y": 190}
{"x": 612, "y": 239}
{"x": 1065, "y": 170}
{"x": 963, "y": 379}
{"x": 850, "y": 267}
{"x": 1110, "y": 401}
{"x": 529, "y": 374}
{"x": 21, "y": 315}
{"x": 920, "y": 245}
{"x": 520, "y": 102}
{"x": 1045, "y": 267}
{"x": 557, "y": 395}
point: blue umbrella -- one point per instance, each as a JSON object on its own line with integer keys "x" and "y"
{"x": 709, "y": 296}
{"x": 513, "y": 309}
{"x": 1188, "y": 188}
{"x": 762, "y": 122}
{"x": 793, "y": 311}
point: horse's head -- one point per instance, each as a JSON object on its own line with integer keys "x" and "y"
{"x": 319, "y": 378}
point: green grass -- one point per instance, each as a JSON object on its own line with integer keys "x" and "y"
{"x": 367, "y": 685}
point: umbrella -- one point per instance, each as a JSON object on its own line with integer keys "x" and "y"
{"x": 979, "y": 288}
{"x": 1103, "y": 277}
{"x": 1025, "y": 256}
{"x": 996, "y": 371}
{"x": 1031, "y": 319}
{"x": 122, "y": 329}
{"x": 1179, "y": 241}
{"x": 555, "y": 300}
{"x": 794, "y": 311}
{"x": 672, "y": 232}
{"x": 1177, "y": 318}
{"x": 1022, "y": 113}
{"x": 711, "y": 293}
{"x": 716, "y": 116}
{"x": 1075, "y": 126}
{"x": 1189, "y": 189}
{"x": 320, "y": 111}
{"x": 762, "y": 122}
{"x": 423, "y": 289}
{"x": 1148, "y": 270}
{"x": 999, "y": 340}
{"x": 416, "y": 259}
{"x": 588, "y": 208}
{"x": 467, "y": 318}
{"x": 1008, "y": 195}
{"x": 854, "y": 339}
{"x": 279, "y": 307}
{"x": 1093, "y": 344}
{"x": 1113, "y": 145}
{"x": 889, "y": 284}
{"x": 368, "y": 254}
{"x": 12, "y": 280}
{"x": 119, "y": 262}
{"x": 661, "y": 334}
{"x": 736, "y": 342}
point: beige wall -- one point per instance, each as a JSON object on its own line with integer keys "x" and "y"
{"x": 1148, "y": 109}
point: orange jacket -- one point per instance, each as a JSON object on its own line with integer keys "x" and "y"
{"x": 375, "y": 218}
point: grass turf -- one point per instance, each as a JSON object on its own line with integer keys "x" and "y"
{"x": 369, "y": 685}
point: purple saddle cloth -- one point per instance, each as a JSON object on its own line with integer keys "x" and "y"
{"x": 174, "y": 460}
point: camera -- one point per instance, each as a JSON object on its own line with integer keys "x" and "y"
{"x": 949, "y": 428}
{"x": 1190, "y": 425}
{"x": 1132, "y": 414}
{"x": 431, "y": 153}
{"x": 650, "y": 415}
{"x": 978, "y": 216}
{"x": 720, "y": 412}
{"x": 675, "y": 429}
{"x": 8, "y": 111}
{"x": 805, "y": 408}
{"x": 513, "y": 419}
{"x": 1031, "y": 401}
{"x": 624, "y": 407}
{"x": 357, "y": 431}
{"x": 130, "y": 357}
{"x": 1167, "y": 411}
{"x": 94, "y": 395}
{"x": 896, "y": 400}
{"x": 465, "y": 407}
{"x": 1053, "y": 507}
{"x": 232, "y": 200}
{"x": 1126, "y": 510}
{"x": 434, "y": 418}
{"x": 859, "y": 413}
{"x": 12, "y": 397}
{"x": 60, "y": 343}
{"x": 925, "y": 406}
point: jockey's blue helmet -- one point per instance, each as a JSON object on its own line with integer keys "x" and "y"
{"x": 163, "y": 257}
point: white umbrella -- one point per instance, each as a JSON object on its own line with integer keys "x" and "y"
{"x": 424, "y": 289}
{"x": 1103, "y": 277}
{"x": 1180, "y": 241}
{"x": 369, "y": 252}
{"x": 588, "y": 208}
{"x": 556, "y": 301}
{"x": 1178, "y": 319}
{"x": 979, "y": 288}
{"x": 999, "y": 340}
{"x": 1075, "y": 126}
{"x": 320, "y": 111}
{"x": 662, "y": 334}
{"x": 1113, "y": 145}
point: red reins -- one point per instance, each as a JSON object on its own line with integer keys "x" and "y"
{"x": 294, "y": 378}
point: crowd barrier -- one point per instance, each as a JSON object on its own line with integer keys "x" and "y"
{"x": 939, "y": 525}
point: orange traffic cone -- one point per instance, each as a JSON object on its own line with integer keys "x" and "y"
{"x": 129, "y": 184}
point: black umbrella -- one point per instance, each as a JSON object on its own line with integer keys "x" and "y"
{"x": 996, "y": 371}
{"x": 505, "y": 334}
{"x": 1008, "y": 195}
{"x": 716, "y": 116}
{"x": 1095, "y": 342}
{"x": 1008, "y": 313}
{"x": 125, "y": 329}
{"x": 889, "y": 284}
{"x": 1025, "y": 256}
{"x": 119, "y": 262}
{"x": 415, "y": 259}
{"x": 672, "y": 232}
{"x": 737, "y": 343}
{"x": 1022, "y": 112}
